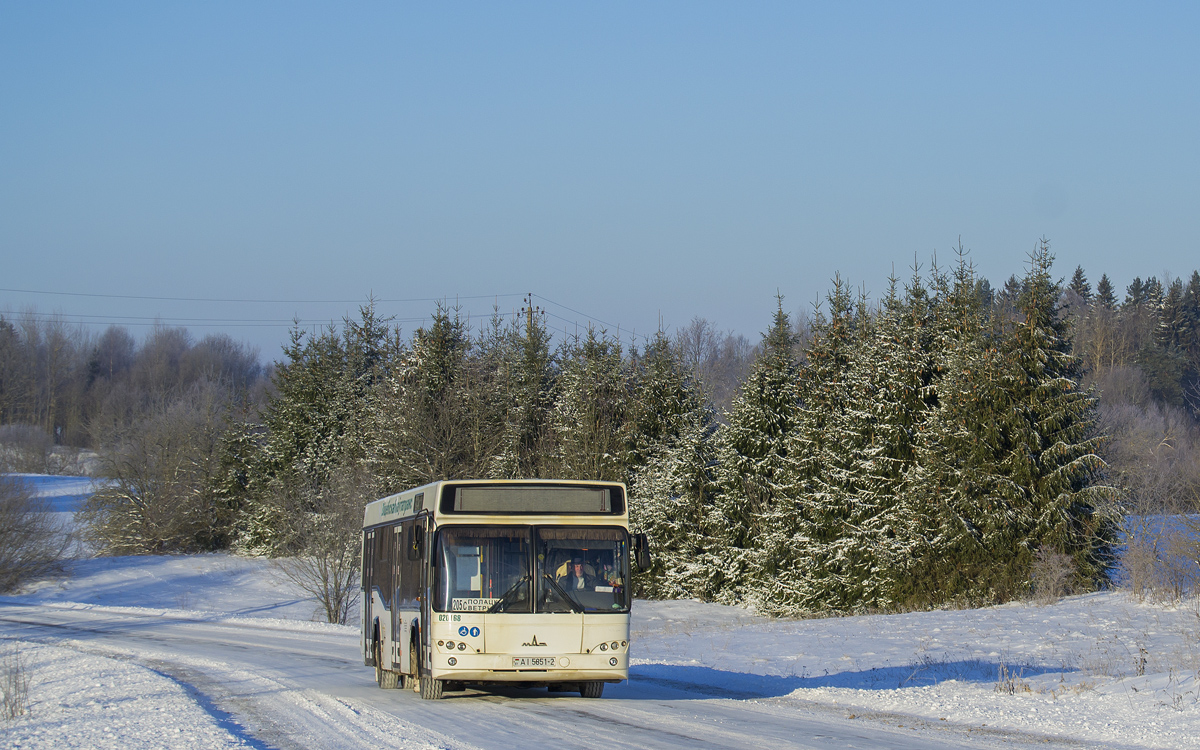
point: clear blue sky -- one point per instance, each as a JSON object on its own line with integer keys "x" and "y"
{"x": 636, "y": 162}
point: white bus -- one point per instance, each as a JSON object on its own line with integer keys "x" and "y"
{"x": 499, "y": 581}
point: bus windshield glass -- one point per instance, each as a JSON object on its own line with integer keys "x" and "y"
{"x": 483, "y": 569}
{"x": 582, "y": 569}
{"x": 576, "y": 569}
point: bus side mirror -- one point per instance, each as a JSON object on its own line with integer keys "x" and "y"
{"x": 641, "y": 551}
{"x": 416, "y": 542}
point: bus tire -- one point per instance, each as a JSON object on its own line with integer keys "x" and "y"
{"x": 385, "y": 678}
{"x": 591, "y": 689}
{"x": 413, "y": 679}
{"x": 431, "y": 689}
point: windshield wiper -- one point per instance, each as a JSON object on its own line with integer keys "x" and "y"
{"x": 575, "y": 606}
{"x": 499, "y": 605}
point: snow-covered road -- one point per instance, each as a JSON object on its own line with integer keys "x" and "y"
{"x": 281, "y": 684}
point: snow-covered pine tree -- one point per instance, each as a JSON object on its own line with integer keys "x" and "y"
{"x": 530, "y": 381}
{"x": 1055, "y": 460}
{"x": 670, "y": 456}
{"x": 418, "y": 426}
{"x": 755, "y": 508}
{"x": 895, "y": 380}
{"x": 589, "y": 417}
{"x": 313, "y": 425}
{"x": 861, "y": 394}
{"x": 1191, "y": 343}
{"x": 662, "y": 396}
{"x": 672, "y": 500}
{"x": 1162, "y": 358}
{"x": 488, "y": 385}
{"x": 1008, "y": 462}
{"x": 955, "y": 519}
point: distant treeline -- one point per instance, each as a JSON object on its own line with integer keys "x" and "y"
{"x": 937, "y": 446}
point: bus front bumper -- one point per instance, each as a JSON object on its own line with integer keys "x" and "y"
{"x": 531, "y": 668}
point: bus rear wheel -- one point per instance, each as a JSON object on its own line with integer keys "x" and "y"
{"x": 591, "y": 689}
{"x": 385, "y": 678}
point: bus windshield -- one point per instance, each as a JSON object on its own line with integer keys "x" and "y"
{"x": 582, "y": 569}
{"x": 488, "y": 569}
{"x": 483, "y": 568}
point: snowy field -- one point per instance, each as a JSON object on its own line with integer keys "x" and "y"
{"x": 215, "y": 651}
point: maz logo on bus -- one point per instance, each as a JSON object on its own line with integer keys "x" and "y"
{"x": 534, "y": 642}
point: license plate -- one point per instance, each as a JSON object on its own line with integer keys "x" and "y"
{"x": 533, "y": 661}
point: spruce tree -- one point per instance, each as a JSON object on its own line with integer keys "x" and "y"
{"x": 1055, "y": 459}
{"x": 531, "y": 381}
{"x": 955, "y": 523}
{"x": 1162, "y": 358}
{"x": 1009, "y": 462}
{"x": 1190, "y": 343}
{"x": 419, "y": 427}
{"x": 863, "y": 394}
{"x": 814, "y": 571}
{"x": 1105, "y": 294}
{"x": 672, "y": 499}
{"x": 589, "y": 420}
{"x": 1079, "y": 284}
{"x": 670, "y": 455}
{"x": 312, "y": 428}
{"x": 755, "y": 513}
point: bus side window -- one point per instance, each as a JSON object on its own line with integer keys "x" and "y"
{"x": 368, "y": 558}
{"x": 382, "y": 568}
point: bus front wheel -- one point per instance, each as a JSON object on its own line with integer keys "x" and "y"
{"x": 591, "y": 689}
{"x": 431, "y": 689}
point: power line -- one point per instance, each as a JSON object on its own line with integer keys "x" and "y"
{"x": 259, "y": 301}
{"x": 577, "y": 312}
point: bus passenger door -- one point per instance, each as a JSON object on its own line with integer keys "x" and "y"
{"x": 400, "y": 636}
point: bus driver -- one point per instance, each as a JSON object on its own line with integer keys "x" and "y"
{"x": 578, "y": 577}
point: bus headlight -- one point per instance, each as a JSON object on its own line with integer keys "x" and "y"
{"x": 452, "y": 661}
{"x": 462, "y": 646}
{"x": 612, "y": 662}
{"x": 613, "y": 646}
{"x": 450, "y": 645}
{"x": 603, "y": 646}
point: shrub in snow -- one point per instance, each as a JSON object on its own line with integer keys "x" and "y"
{"x": 14, "y": 685}
{"x": 31, "y": 542}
